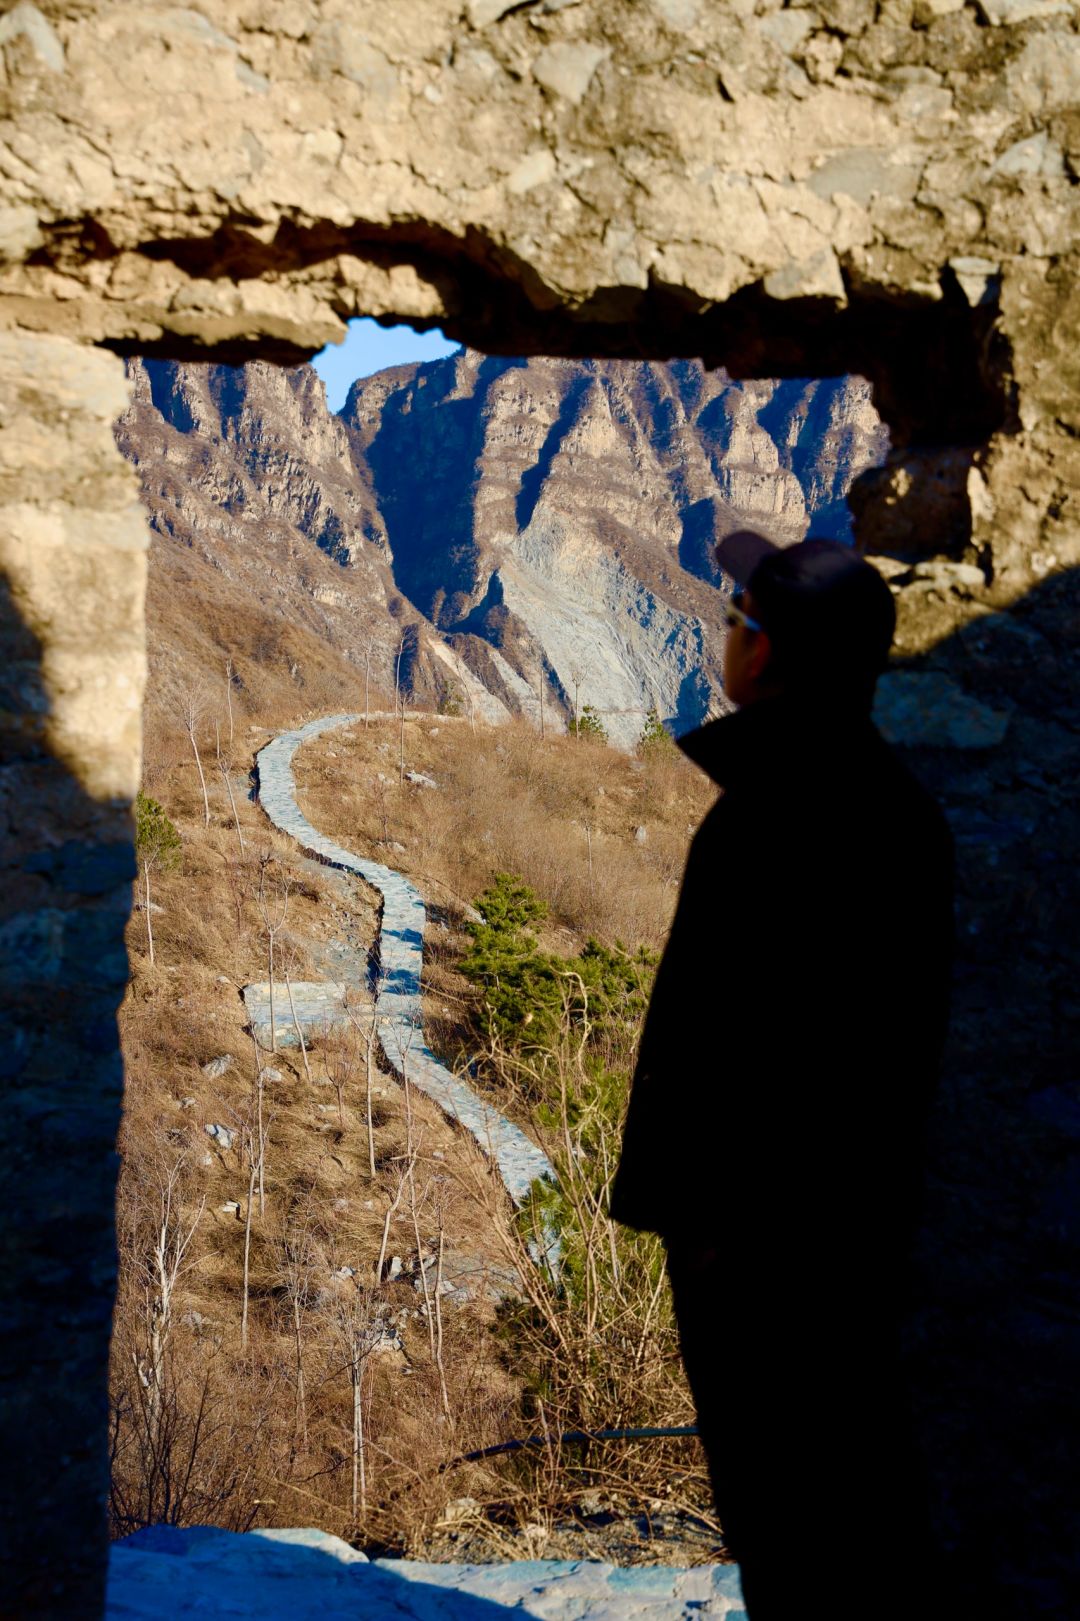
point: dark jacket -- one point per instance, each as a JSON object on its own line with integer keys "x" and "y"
{"x": 794, "y": 1033}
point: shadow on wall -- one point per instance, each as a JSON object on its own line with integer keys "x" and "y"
{"x": 294, "y": 1575}
{"x": 997, "y": 1330}
{"x": 283, "y": 1577}
{"x": 67, "y": 867}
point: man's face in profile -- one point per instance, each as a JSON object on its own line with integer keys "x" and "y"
{"x": 746, "y": 650}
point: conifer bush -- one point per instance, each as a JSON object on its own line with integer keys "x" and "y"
{"x": 593, "y": 1343}
{"x": 156, "y": 839}
{"x": 656, "y": 743}
{"x": 588, "y": 724}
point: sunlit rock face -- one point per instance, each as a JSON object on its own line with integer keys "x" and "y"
{"x": 540, "y": 522}
{"x": 566, "y": 511}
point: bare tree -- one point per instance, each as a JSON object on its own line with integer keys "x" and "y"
{"x": 296, "y": 1022}
{"x": 577, "y": 677}
{"x": 224, "y": 766}
{"x": 339, "y": 1062}
{"x": 367, "y": 682}
{"x": 273, "y": 919}
{"x": 359, "y": 1331}
{"x": 366, "y": 1026}
{"x": 252, "y": 1128}
{"x": 230, "y": 676}
{"x": 369, "y": 1074}
{"x": 255, "y": 1166}
{"x": 388, "y": 1215}
{"x": 146, "y": 865}
{"x": 440, "y": 1214}
{"x": 191, "y": 705}
{"x": 157, "y": 844}
{"x": 400, "y": 700}
{"x": 432, "y": 1311}
{"x": 162, "y": 1262}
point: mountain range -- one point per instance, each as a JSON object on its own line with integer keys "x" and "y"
{"x": 476, "y": 530}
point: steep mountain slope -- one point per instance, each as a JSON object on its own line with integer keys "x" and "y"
{"x": 506, "y": 524}
{"x": 565, "y": 511}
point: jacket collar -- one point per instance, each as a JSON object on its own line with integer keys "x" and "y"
{"x": 771, "y": 738}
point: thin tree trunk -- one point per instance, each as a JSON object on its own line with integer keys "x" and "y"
{"x": 202, "y": 779}
{"x": 401, "y": 703}
{"x": 387, "y": 1219}
{"x": 300, "y": 1034}
{"x": 359, "y": 1471}
{"x": 228, "y": 696}
{"x": 247, "y": 1258}
{"x": 149, "y": 929}
{"x": 369, "y": 1068}
{"x": 543, "y": 734}
{"x": 273, "y": 1026}
{"x": 416, "y": 1227}
{"x": 262, "y": 1148}
{"x": 360, "y": 1438}
{"x": 232, "y": 802}
{"x": 439, "y": 1329}
{"x": 428, "y": 1312}
{"x": 367, "y": 675}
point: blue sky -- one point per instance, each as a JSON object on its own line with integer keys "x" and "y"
{"x": 370, "y": 347}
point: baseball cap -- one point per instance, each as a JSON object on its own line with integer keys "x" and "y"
{"x": 827, "y": 612}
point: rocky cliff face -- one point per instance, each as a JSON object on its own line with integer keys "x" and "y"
{"x": 543, "y": 522}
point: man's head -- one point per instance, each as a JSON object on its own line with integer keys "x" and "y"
{"x": 813, "y": 619}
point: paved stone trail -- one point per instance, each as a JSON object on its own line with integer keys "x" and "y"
{"x": 309, "y": 1576}
{"x": 518, "y": 1160}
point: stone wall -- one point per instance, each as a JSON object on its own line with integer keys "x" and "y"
{"x": 878, "y": 186}
{"x": 72, "y": 541}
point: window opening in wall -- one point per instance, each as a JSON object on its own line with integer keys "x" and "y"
{"x": 498, "y": 573}
{"x": 502, "y": 568}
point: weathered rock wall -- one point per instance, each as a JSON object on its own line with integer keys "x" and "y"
{"x": 880, "y": 187}
{"x": 72, "y": 539}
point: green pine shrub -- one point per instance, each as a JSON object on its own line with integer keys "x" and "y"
{"x": 588, "y": 724}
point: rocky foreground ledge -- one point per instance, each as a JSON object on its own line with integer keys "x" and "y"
{"x": 305, "y": 1575}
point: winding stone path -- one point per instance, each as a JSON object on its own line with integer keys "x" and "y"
{"x": 310, "y": 1576}
{"x": 518, "y": 1160}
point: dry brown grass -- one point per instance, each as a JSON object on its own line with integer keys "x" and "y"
{"x": 208, "y": 1428}
{"x": 509, "y": 802}
{"x": 216, "y": 1432}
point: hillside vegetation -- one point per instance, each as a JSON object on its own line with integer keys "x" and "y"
{"x": 267, "y": 1368}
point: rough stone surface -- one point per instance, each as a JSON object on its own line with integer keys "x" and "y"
{"x": 886, "y": 189}
{"x": 253, "y": 177}
{"x": 930, "y": 711}
{"x": 316, "y": 1006}
{"x": 306, "y": 1575}
{"x": 518, "y": 520}
{"x": 71, "y": 650}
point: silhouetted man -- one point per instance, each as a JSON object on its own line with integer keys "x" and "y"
{"x": 775, "y": 1128}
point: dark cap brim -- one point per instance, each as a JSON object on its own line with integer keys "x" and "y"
{"x": 740, "y": 553}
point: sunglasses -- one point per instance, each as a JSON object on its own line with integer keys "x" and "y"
{"x": 734, "y": 616}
